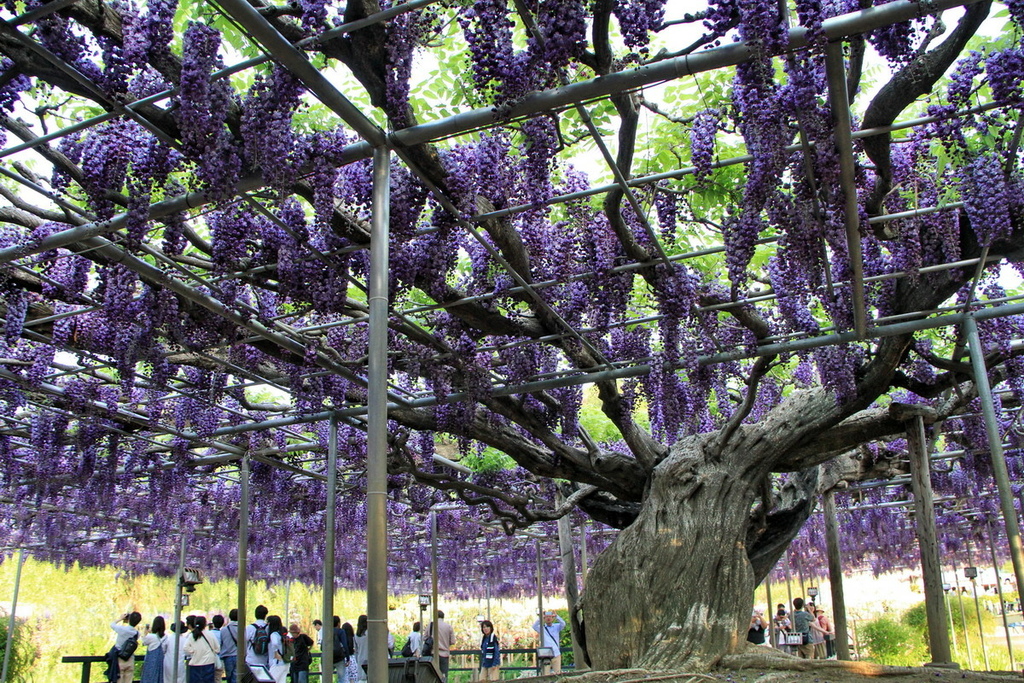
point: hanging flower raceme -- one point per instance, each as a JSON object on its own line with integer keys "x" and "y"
{"x": 987, "y": 197}
{"x": 203, "y": 107}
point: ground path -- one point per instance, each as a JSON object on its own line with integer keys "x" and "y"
{"x": 758, "y": 667}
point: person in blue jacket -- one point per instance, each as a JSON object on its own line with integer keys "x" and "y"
{"x": 490, "y": 653}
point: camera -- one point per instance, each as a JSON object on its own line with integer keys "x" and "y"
{"x": 190, "y": 578}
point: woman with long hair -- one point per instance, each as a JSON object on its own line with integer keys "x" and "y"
{"x": 352, "y": 669}
{"x": 203, "y": 649}
{"x": 362, "y": 646}
{"x": 153, "y": 664}
{"x": 490, "y": 654}
{"x": 275, "y": 652}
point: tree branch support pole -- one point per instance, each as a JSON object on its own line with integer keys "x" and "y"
{"x": 436, "y": 658}
{"x": 835, "y": 577}
{"x": 584, "y": 555}
{"x": 981, "y": 627}
{"x": 377, "y": 424}
{"x": 770, "y": 611}
{"x": 963, "y": 619}
{"x": 789, "y": 586}
{"x": 243, "y": 562}
{"x": 952, "y": 626}
{"x": 924, "y": 522}
{"x": 327, "y": 617}
{"x": 995, "y": 444}
{"x": 11, "y": 622}
{"x": 999, "y": 589}
{"x": 540, "y": 603}
{"x": 569, "y": 572}
{"x": 178, "y": 632}
{"x": 287, "y": 603}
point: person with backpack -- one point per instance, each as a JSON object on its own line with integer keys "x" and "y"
{"x": 229, "y": 646}
{"x": 301, "y": 659}
{"x": 257, "y": 643}
{"x": 343, "y": 647}
{"x": 121, "y": 657}
{"x": 279, "y": 657}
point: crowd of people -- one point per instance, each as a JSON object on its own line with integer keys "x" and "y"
{"x": 201, "y": 650}
{"x": 806, "y": 631}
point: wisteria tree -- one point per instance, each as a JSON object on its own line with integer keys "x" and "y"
{"x": 675, "y": 295}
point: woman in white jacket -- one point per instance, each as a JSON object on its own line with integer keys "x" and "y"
{"x": 202, "y": 648}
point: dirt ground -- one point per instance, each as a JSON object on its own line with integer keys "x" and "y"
{"x": 757, "y": 668}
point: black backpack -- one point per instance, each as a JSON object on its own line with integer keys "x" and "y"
{"x": 126, "y": 651}
{"x": 261, "y": 640}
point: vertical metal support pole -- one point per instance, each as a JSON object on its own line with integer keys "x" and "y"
{"x": 327, "y": 639}
{"x": 995, "y": 444}
{"x": 835, "y": 577}
{"x": 924, "y": 522}
{"x": 963, "y": 620}
{"x": 835, "y": 72}
{"x": 287, "y": 601}
{"x": 487, "y": 587}
{"x": 789, "y": 587}
{"x": 584, "y": 557}
{"x": 565, "y": 549}
{"x": 11, "y": 622}
{"x": 433, "y": 586}
{"x": 177, "y": 609}
{"x": 952, "y": 627}
{"x": 771, "y": 609}
{"x": 981, "y": 629}
{"x": 377, "y": 424}
{"x": 243, "y": 561}
{"x": 999, "y": 589}
{"x": 540, "y": 602}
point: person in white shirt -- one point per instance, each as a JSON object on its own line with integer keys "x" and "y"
{"x": 415, "y": 640}
{"x": 278, "y": 666}
{"x": 202, "y": 648}
{"x": 126, "y": 628}
{"x": 550, "y": 635}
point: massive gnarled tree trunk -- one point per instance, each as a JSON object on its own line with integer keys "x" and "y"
{"x": 676, "y": 586}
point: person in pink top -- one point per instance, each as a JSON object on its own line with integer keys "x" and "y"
{"x": 830, "y": 633}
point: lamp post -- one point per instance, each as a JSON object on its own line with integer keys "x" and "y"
{"x": 812, "y": 593}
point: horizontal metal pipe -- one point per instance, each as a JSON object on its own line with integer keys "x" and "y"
{"x": 878, "y": 332}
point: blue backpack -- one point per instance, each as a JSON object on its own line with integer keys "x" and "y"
{"x": 261, "y": 640}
